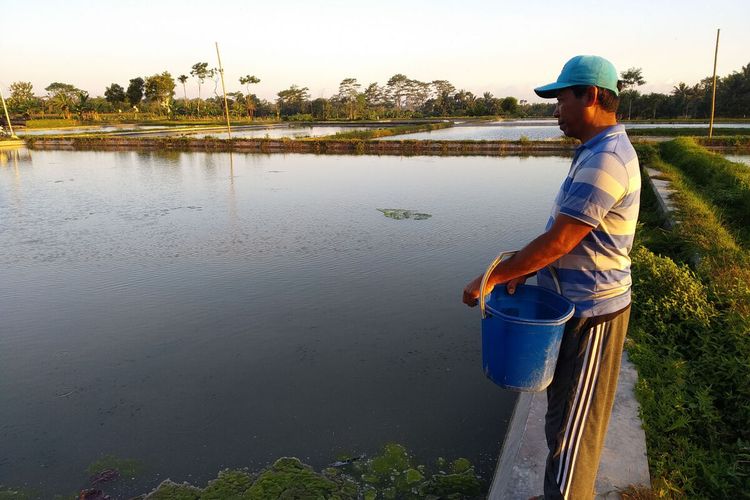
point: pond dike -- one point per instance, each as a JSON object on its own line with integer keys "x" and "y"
{"x": 314, "y": 146}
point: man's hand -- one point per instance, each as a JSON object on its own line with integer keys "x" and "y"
{"x": 512, "y": 284}
{"x": 471, "y": 292}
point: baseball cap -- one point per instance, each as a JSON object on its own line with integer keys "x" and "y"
{"x": 582, "y": 70}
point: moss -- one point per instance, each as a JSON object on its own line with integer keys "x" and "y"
{"x": 229, "y": 485}
{"x": 290, "y": 478}
{"x": 169, "y": 490}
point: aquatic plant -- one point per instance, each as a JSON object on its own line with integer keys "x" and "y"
{"x": 169, "y": 490}
{"x": 127, "y": 468}
{"x": 401, "y": 214}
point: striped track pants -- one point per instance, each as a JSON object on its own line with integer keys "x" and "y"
{"x": 579, "y": 402}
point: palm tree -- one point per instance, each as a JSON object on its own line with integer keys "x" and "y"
{"x": 182, "y": 79}
{"x": 248, "y": 80}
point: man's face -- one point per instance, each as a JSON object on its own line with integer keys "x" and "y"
{"x": 570, "y": 113}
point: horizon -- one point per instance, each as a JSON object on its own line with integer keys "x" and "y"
{"x": 317, "y": 46}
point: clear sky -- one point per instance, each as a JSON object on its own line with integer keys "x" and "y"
{"x": 504, "y": 47}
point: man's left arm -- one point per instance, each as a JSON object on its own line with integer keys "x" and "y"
{"x": 566, "y": 232}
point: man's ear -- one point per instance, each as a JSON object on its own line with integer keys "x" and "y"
{"x": 592, "y": 93}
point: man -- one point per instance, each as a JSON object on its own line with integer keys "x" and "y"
{"x": 587, "y": 241}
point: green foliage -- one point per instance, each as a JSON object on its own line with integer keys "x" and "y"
{"x": 386, "y": 132}
{"x": 51, "y": 123}
{"x": 169, "y": 490}
{"x": 290, "y": 478}
{"x": 229, "y": 485}
{"x": 689, "y": 336}
{"x": 689, "y": 132}
{"x": 722, "y": 182}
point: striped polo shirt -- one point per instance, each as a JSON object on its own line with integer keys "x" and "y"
{"x": 603, "y": 190}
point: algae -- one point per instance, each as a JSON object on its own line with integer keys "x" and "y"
{"x": 401, "y": 214}
{"x": 169, "y": 490}
{"x": 290, "y": 478}
{"x": 230, "y": 485}
{"x": 128, "y": 468}
{"x": 391, "y": 474}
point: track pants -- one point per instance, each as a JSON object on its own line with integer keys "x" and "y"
{"x": 579, "y": 402}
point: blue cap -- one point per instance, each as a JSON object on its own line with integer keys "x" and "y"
{"x": 582, "y": 70}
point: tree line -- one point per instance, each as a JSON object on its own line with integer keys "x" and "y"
{"x": 399, "y": 97}
{"x": 687, "y": 101}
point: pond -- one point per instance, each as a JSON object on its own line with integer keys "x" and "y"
{"x": 196, "y": 311}
{"x": 88, "y": 130}
{"x": 739, "y": 158}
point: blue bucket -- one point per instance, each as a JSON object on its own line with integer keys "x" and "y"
{"x": 521, "y": 334}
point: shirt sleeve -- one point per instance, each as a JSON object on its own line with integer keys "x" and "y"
{"x": 597, "y": 186}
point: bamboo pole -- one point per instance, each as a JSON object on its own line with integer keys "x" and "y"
{"x": 224, "y": 90}
{"x": 5, "y": 108}
{"x": 713, "y": 97}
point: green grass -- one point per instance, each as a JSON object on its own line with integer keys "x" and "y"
{"x": 389, "y": 131}
{"x": 52, "y": 123}
{"x": 691, "y": 131}
{"x": 723, "y": 183}
{"x": 690, "y": 339}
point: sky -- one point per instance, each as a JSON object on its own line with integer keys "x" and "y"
{"x": 502, "y": 47}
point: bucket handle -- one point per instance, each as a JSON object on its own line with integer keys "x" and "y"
{"x": 492, "y": 267}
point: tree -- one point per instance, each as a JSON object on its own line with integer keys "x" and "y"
{"x": 348, "y": 91}
{"x": 135, "y": 91}
{"x": 397, "y": 86}
{"x": 375, "y": 100}
{"x": 291, "y": 101}
{"x": 509, "y": 105}
{"x": 63, "y": 97}
{"x": 631, "y": 78}
{"x": 248, "y": 80}
{"x": 182, "y": 79}
{"x": 683, "y": 93}
{"x": 160, "y": 89}
{"x": 114, "y": 94}
{"x": 21, "y": 98}
{"x": 444, "y": 92}
{"x": 200, "y": 71}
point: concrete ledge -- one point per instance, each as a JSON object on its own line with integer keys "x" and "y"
{"x": 520, "y": 469}
{"x": 663, "y": 192}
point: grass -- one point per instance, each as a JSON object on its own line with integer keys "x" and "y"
{"x": 691, "y": 131}
{"x": 723, "y": 183}
{"x": 52, "y": 123}
{"x": 689, "y": 338}
{"x": 389, "y": 131}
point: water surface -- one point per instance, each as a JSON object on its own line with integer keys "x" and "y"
{"x": 200, "y": 311}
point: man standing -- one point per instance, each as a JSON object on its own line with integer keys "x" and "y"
{"x": 587, "y": 241}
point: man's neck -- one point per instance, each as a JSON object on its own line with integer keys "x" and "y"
{"x": 599, "y": 123}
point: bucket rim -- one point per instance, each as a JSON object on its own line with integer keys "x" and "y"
{"x": 547, "y": 322}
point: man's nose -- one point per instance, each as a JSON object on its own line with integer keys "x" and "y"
{"x": 556, "y": 114}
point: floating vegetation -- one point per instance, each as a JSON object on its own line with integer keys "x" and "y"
{"x": 401, "y": 214}
{"x": 169, "y": 490}
{"x": 124, "y": 466}
{"x": 391, "y": 474}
